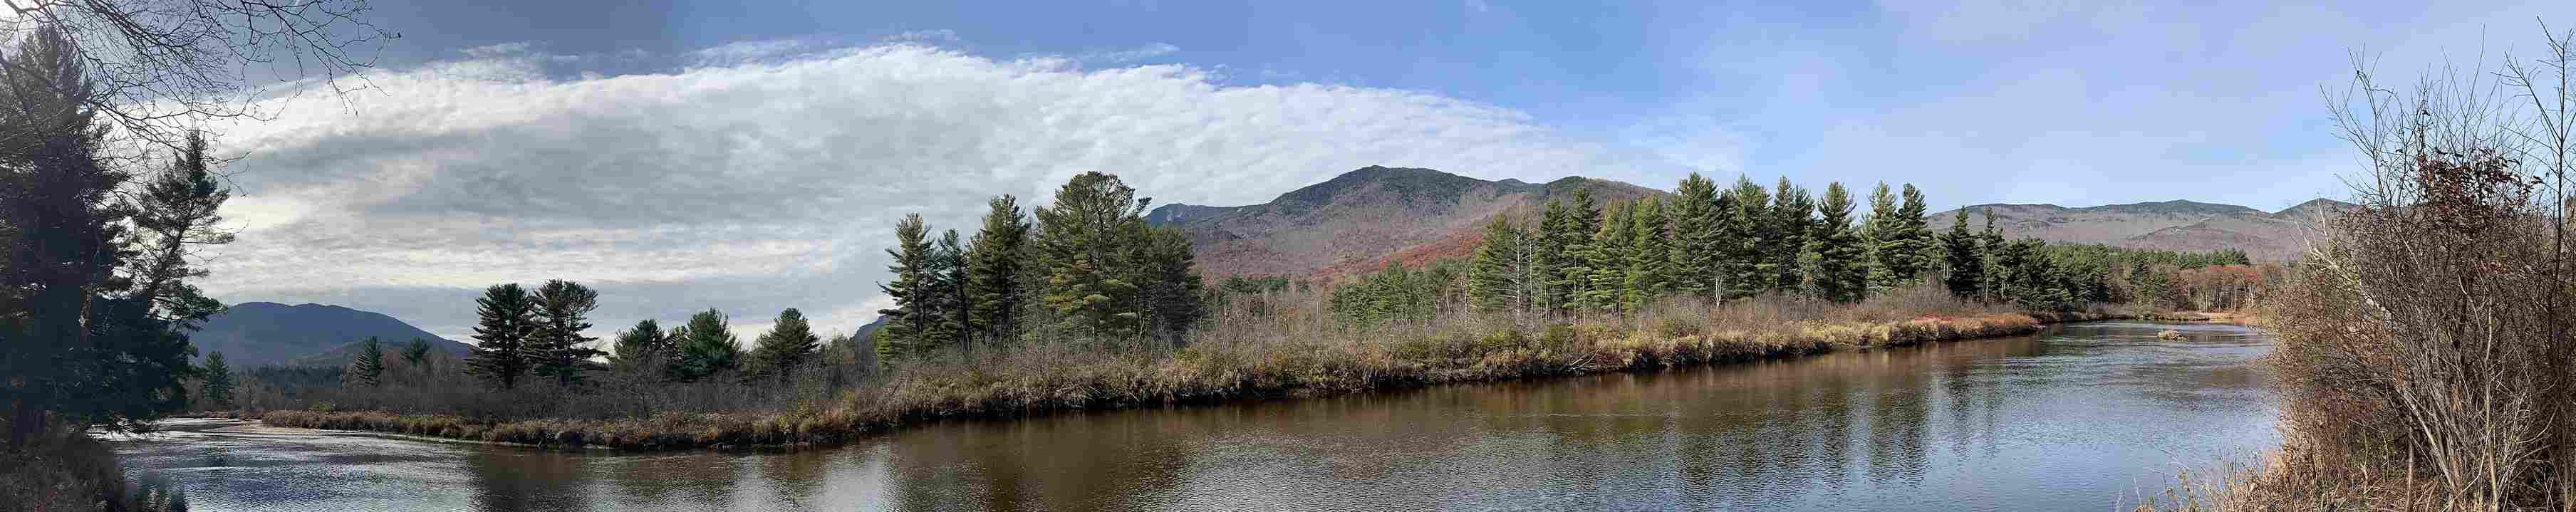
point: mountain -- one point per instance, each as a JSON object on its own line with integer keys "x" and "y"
{"x": 2168, "y": 225}
{"x": 268, "y": 333}
{"x": 1365, "y": 218}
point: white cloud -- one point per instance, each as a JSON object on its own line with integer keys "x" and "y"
{"x": 756, "y": 186}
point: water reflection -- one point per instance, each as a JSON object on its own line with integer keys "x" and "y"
{"x": 2076, "y": 418}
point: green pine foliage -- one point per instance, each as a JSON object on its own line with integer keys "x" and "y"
{"x": 1835, "y": 259}
{"x": 789, "y": 344}
{"x": 707, "y": 346}
{"x": 1398, "y": 294}
{"x": 1607, "y": 257}
{"x": 912, "y": 325}
{"x": 1966, "y": 260}
{"x": 1650, "y": 256}
{"x": 1085, "y": 238}
{"x": 416, "y": 352}
{"x": 216, "y": 381}
{"x": 1792, "y": 215}
{"x": 1695, "y": 251}
{"x": 1547, "y": 258}
{"x": 555, "y": 345}
{"x": 368, "y": 367}
{"x": 1576, "y": 241}
{"x": 643, "y": 346}
{"x": 505, "y": 317}
{"x": 998, "y": 273}
{"x": 1174, "y": 295}
{"x": 1500, "y": 274}
{"x": 1743, "y": 240}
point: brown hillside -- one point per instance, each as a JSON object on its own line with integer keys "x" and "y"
{"x": 2168, "y": 225}
{"x": 1363, "y": 219}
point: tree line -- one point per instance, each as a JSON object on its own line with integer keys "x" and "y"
{"x": 1580, "y": 258}
{"x": 1088, "y": 267}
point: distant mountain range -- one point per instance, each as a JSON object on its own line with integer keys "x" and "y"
{"x": 272, "y": 334}
{"x": 1363, "y": 219}
{"x": 2168, "y": 225}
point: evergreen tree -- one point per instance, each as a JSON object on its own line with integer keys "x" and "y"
{"x": 1500, "y": 272}
{"x": 1792, "y": 215}
{"x": 1835, "y": 258}
{"x": 178, "y": 209}
{"x": 1966, "y": 261}
{"x": 1547, "y": 253}
{"x": 1904, "y": 246}
{"x": 708, "y": 346}
{"x": 505, "y": 319}
{"x": 789, "y": 344}
{"x": 643, "y": 346}
{"x": 1650, "y": 255}
{"x": 1742, "y": 263}
{"x": 1084, "y": 239}
{"x": 1695, "y": 234}
{"x": 556, "y": 348}
{"x": 997, "y": 270}
{"x": 218, "y": 381}
{"x": 954, "y": 294}
{"x": 368, "y": 367}
{"x": 1992, "y": 242}
{"x": 1579, "y": 247}
{"x": 1879, "y": 236}
{"x": 1172, "y": 291}
{"x": 912, "y": 325}
{"x": 1607, "y": 259}
{"x": 416, "y": 352}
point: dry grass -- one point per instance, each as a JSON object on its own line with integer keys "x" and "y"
{"x": 62, "y": 469}
{"x": 1281, "y": 357}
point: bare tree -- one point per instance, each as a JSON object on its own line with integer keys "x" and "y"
{"x": 163, "y": 65}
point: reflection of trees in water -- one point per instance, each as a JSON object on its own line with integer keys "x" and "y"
{"x": 1067, "y": 462}
{"x": 794, "y": 476}
{"x": 510, "y": 480}
{"x": 660, "y": 480}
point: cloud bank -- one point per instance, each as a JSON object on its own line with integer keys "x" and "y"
{"x": 760, "y": 176}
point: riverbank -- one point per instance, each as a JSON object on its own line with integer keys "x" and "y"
{"x": 1028, "y": 383}
{"x": 64, "y": 470}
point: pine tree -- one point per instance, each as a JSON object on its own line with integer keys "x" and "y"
{"x": 368, "y": 367}
{"x": 1546, "y": 247}
{"x": 1650, "y": 255}
{"x": 1498, "y": 275}
{"x": 505, "y": 319}
{"x": 1835, "y": 256}
{"x": 953, "y": 295}
{"x": 218, "y": 381}
{"x": 416, "y": 352}
{"x": 1085, "y": 240}
{"x": 1742, "y": 264}
{"x": 789, "y": 344}
{"x": 1607, "y": 258}
{"x": 707, "y": 347}
{"x": 1925, "y": 244}
{"x": 1992, "y": 242}
{"x": 997, "y": 270}
{"x": 1792, "y": 215}
{"x": 1966, "y": 261}
{"x": 1171, "y": 289}
{"x": 557, "y": 348}
{"x": 641, "y": 346}
{"x": 1574, "y": 273}
{"x": 1695, "y": 253}
{"x": 913, "y": 323}
{"x": 1879, "y": 236}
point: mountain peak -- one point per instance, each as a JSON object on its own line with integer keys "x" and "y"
{"x": 269, "y": 333}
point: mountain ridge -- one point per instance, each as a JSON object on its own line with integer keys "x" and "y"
{"x": 260, "y": 333}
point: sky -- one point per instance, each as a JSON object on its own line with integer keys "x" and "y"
{"x": 684, "y": 155}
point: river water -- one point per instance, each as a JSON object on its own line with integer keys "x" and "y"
{"x": 2080, "y": 417}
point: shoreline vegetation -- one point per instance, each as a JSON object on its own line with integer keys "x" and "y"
{"x": 1203, "y": 377}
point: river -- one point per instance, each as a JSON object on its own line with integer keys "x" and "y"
{"x": 2079, "y": 417}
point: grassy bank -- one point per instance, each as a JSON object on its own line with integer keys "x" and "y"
{"x": 1043, "y": 378}
{"x": 65, "y": 469}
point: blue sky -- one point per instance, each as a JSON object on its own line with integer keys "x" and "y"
{"x": 750, "y": 158}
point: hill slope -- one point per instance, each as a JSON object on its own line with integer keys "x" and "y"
{"x": 268, "y": 333}
{"x": 1364, "y": 218}
{"x": 2168, "y": 225}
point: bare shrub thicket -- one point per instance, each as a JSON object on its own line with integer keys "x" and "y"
{"x": 2424, "y": 360}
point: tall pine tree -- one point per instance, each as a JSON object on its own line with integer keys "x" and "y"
{"x": 1607, "y": 259}
{"x": 1085, "y": 240}
{"x": 1695, "y": 251}
{"x": 789, "y": 344}
{"x": 1792, "y": 215}
{"x": 1573, "y": 280}
{"x": 368, "y": 367}
{"x": 1743, "y": 265}
{"x": 1497, "y": 278}
{"x": 556, "y": 348}
{"x": 1173, "y": 293}
{"x": 1879, "y": 235}
{"x": 707, "y": 346}
{"x": 1966, "y": 262}
{"x": 954, "y": 294}
{"x": 1546, "y": 246}
{"x": 997, "y": 270}
{"x": 1835, "y": 259}
{"x": 913, "y": 324}
{"x": 505, "y": 319}
{"x": 643, "y": 346}
{"x": 1650, "y": 255}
